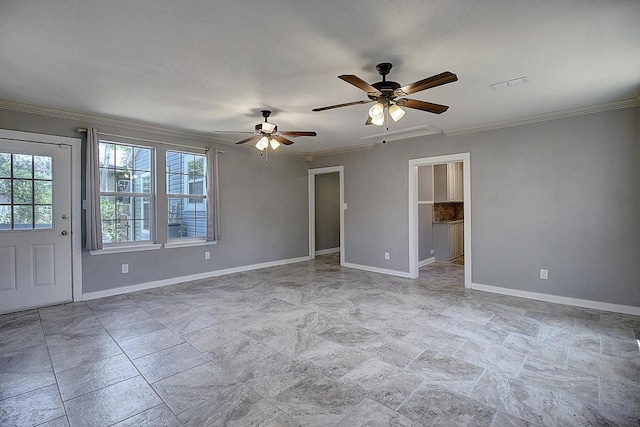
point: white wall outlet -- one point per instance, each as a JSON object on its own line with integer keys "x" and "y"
{"x": 344, "y": 206}
{"x": 207, "y": 255}
{"x": 386, "y": 255}
{"x": 431, "y": 251}
{"x": 544, "y": 274}
{"x": 125, "y": 268}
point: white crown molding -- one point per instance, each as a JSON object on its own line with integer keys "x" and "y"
{"x": 97, "y": 120}
{"x": 403, "y": 134}
{"x": 562, "y": 114}
{"x": 125, "y": 124}
{"x": 343, "y": 150}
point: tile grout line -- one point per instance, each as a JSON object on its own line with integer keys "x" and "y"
{"x": 55, "y": 376}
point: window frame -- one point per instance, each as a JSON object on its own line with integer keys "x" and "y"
{"x": 131, "y": 194}
{"x": 186, "y": 197}
{"x": 159, "y": 198}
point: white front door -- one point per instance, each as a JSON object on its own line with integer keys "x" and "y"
{"x": 35, "y": 225}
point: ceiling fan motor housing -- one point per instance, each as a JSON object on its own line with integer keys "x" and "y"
{"x": 260, "y": 129}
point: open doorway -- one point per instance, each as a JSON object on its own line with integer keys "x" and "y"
{"x": 326, "y": 212}
{"x": 461, "y": 229}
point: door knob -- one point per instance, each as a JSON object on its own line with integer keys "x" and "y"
{"x": 65, "y": 216}
{"x": 64, "y": 232}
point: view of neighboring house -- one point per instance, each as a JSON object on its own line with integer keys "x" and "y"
{"x": 126, "y": 193}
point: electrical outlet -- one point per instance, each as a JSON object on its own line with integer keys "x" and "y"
{"x": 125, "y": 268}
{"x": 431, "y": 251}
{"x": 386, "y": 255}
{"x": 544, "y": 274}
{"x": 207, "y": 255}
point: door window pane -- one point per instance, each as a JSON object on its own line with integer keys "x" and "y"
{"x": 43, "y": 217}
{"x": 42, "y": 167}
{"x": 22, "y": 192}
{"x": 5, "y": 217}
{"x": 43, "y": 194}
{"x": 5, "y": 165}
{"x": 22, "y": 166}
{"x": 22, "y": 217}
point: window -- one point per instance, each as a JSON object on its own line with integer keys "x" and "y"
{"x": 26, "y": 195}
{"x": 126, "y": 192}
{"x": 186, "y": 194}
{"x": 132, "y": 187}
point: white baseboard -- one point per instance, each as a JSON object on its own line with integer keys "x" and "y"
{"x": 182, "y": 279}
{"x": 328, "y": 251}
{"x": 377, "y": 270}
{"x": 426, "y": 262}
{"x": 605, "y": 306}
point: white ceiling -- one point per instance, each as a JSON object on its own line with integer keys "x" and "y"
{"x": 203, "y": 65}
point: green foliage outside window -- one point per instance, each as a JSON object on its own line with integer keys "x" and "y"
{"x": 26, "y": 193}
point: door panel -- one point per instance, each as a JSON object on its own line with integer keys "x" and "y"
{"x": 35, "y": 225}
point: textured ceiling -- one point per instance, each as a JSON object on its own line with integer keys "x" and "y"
{"x": 205, "y": 65}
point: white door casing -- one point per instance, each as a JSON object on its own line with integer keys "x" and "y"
{"x": 465, "y": 158}
{"x": 312, "y": 210}
{"x": 38, "y": 267}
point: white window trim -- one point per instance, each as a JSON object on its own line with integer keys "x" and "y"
{"x": 126, "y": 248}
{"x": 179, "y": 243}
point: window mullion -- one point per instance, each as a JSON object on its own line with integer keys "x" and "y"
{"x": 160, "y": 194}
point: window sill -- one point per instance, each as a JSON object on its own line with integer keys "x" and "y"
{"x": 129, "y": 248}
{"x": 187, "y": 243}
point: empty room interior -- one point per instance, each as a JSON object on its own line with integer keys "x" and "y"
{"x": 281, "y": 213}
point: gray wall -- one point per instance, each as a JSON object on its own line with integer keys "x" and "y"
{"x": 327, "y": 213}
{"x": 425, "y": 213}
{"x": 263, "y": 211}
{"x": 561, "y": 195}
{"x": 425, "y": 184}
{"x": 425, "y": 232}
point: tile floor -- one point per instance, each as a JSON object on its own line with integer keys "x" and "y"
{"x": 312, "y": 344}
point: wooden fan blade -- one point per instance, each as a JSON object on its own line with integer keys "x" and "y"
{"x": 282, "y": 140}
{"x": 346, "y": 104}
{"x": 368, "y": 122}
{"x": 360, "y": 84}
{"x": 433, "y": 81}
{"x": 422, "y": 105}
{"x": 249, "y": 139}
{"x": 297, "y": 133}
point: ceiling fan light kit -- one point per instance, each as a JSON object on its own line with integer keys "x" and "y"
{"x": 396, "y": 112}
{"x": 386, "y": 95}
{"x": 377, "y": 111}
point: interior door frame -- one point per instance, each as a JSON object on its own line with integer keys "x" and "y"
{"x": 465, "y": 158}
{"x": 75, "y": 145}
{"x": 312, "y": 208}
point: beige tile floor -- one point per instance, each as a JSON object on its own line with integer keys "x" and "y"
{"x": 313, "y": 344}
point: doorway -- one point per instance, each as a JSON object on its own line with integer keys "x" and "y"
{"x": 326, "y": 176}
{"x": 414, "y": 165}
{"x": 40, "y": 260}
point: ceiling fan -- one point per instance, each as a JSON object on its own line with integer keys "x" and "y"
{"x": 268, "y": 134}
{"x": 386, "y": 95}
